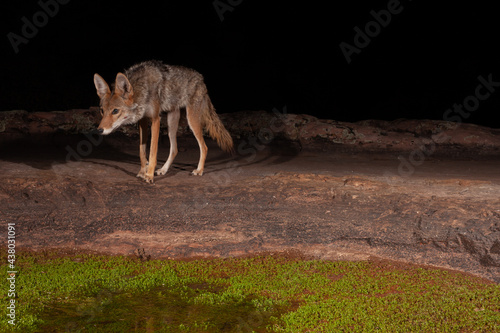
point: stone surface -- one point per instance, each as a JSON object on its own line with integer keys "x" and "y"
{"x": 331, "y": 190}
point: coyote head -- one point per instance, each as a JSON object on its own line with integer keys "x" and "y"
{"x": 117, "y": 107}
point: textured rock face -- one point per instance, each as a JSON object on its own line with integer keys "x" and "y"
{"x": 332, "y": 190}
{"x": 399, "y": 135}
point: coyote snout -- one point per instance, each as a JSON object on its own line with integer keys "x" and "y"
{"x": 146, "y": 90}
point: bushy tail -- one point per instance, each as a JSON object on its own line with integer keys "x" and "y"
{"x": 214, "y": 126}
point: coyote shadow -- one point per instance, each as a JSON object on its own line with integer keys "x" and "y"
{"x": 45, "y": 152}
{"x": 277, "y": 152}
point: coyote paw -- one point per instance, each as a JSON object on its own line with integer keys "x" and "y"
{"x": 143, "y": 174}
{"x": 161, "y": 172}
{"x": 197, "y": 172}
{"x": 149, "y": 179}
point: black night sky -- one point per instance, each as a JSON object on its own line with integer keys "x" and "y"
{"x": 258, "y": 55}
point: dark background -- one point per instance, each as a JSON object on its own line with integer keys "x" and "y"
{"x": 262, "y": 55}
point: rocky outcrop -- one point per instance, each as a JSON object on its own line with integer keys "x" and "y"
{"x": 279, "y": 192}
{"x": 397, "y": 135}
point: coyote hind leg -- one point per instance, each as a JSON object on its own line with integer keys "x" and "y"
{"x": 193, "y": 116}
{"x": 173, "y": 124}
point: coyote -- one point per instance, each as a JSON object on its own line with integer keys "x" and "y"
{"x": 146, "y": 90}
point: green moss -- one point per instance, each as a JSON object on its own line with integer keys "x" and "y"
{"x": 263, "y": 294}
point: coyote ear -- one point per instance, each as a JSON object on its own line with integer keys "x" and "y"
{"x": 101, "y": 86}
{"x": 123, "y": 86}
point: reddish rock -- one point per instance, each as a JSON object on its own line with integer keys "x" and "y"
{"x": 426, "y": 192}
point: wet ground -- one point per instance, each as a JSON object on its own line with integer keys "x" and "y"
{"x": 327, "y": 201}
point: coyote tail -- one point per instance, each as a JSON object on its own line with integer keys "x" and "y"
{"x": 214, "y": 126}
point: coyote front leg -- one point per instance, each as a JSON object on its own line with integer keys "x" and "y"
{"x": 153, "y": 149}
{"x": 143, "y": 137}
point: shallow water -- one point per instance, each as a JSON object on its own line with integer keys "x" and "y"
{"x": 157, "y": 310}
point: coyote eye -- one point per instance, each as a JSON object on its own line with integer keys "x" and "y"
{"x": 115, "y": 111}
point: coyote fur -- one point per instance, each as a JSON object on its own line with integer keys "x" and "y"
{"x": 150, "y": 88}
